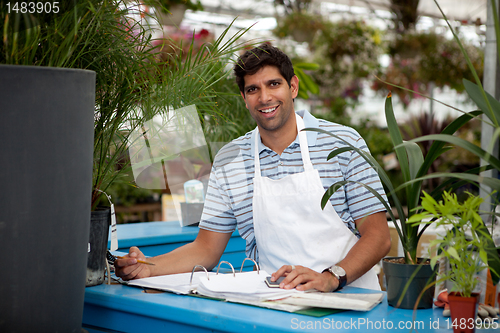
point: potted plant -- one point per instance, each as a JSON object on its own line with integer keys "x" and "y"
{"x": 421, "y": 61}
{"x": 300, "y": 25}
{"x": 46, "y": 122}
{"x": 489, "y": 108}
{"x": 130, "y": 87}
{"x": 414, "y": 167}
{"x": 146, "y": 87}
{"x": 412, "y": 274}
{"x": 461, "y": 248}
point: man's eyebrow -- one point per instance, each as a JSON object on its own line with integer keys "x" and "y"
{"x": 278, "y": 79}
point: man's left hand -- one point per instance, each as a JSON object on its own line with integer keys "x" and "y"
{"x": 303, "y": 278}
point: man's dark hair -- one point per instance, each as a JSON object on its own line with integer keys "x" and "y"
{"x": 264, "y": 55}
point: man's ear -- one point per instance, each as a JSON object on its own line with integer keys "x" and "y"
{"x": 294, "y": 86}
{"x": 243, "y": 96}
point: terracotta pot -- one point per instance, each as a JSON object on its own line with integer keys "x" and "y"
{"x": 463, "y": 312}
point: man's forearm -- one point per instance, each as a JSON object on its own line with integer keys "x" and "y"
{"x": 206, "y": 250}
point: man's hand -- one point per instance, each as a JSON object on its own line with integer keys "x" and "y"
{"x": 303, "y": 278}
{"x": 128, "y": 268}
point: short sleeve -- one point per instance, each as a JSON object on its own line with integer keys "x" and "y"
{"x": 360, "y": 200}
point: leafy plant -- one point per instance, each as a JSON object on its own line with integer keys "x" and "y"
{"x": 490, "y": 108}
{"x": 421, "y": 60}
{"x": 413, "y": 167}
{"x": 462, "y": 245}
{"x": 298, "y": 21}
{"x": 347, "y": 52}
{"x": 306, "y": 83}
{"x": 132, "y": 86}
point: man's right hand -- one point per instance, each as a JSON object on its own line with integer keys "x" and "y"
{"x": 128, "y": 268}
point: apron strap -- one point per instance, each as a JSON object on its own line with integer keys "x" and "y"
{"x": 304, "y": 149}
{"x": 256, "y": 137}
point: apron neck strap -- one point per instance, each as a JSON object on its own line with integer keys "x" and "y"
{"x": 304, "y": 149}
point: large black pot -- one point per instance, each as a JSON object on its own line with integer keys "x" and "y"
{"x": 46, "y": 143}
{"x": 397, "y": 276}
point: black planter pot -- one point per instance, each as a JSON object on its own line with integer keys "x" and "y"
{"x": 100, "y": 220}
{"x": 398, "y": 275}
{"x": 46, "y": 136}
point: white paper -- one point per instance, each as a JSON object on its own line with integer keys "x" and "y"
{"x": 246, "y": 286}
{"x": 114, "y": 233}
{"x": 345, "y": 301}
{"x": 176, "y": 283}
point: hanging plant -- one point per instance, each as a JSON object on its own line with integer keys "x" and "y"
{"x": 418, "y": 59}
{"x": 301, "y": 26}
{"x": 346, "y": 51}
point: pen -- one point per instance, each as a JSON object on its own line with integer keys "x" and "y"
{"x": 111, "y": 259}
{"x": 139, "y": 261}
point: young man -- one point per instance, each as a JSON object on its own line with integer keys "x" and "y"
{"x": 269, "y": 184}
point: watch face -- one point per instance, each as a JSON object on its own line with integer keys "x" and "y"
{"x": 339, "y": 271}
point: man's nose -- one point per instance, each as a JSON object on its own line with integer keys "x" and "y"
{"x": 265, "y": 96}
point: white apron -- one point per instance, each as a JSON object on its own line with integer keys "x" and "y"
{"x": 290, "y": 226}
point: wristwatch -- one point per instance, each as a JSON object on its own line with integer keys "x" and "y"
{"x": 339, "y": 273}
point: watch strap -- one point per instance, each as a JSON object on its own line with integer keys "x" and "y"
{"x": 342, "y": 278}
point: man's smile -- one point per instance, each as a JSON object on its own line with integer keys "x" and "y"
{"x": 269, "y": 109}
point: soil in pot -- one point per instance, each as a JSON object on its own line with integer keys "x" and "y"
{"x": 398, "y": 274}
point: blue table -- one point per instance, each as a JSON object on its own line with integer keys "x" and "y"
{"x": 122, "y": 308}
{"x": 129, "y": 309}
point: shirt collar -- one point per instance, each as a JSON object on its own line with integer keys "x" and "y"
{"x": 309, "y": 122}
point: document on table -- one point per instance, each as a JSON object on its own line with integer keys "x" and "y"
{"x": 246, "y": 286}
{"x": 356, "y": 302}
{"x": 176, "y": 283}
{"x": 250, "y": 288}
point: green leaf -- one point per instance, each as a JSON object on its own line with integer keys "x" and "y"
{"x": 396, "y": 138}
{"x": 307, "y": 82}
{"x": 477, "y": 95}
{"x": 453, "y": 252}
{"x": 434, "y": 261}
{"x": 463, "y": 144}
{"x": 338, "y": 151}
{"x": 307, "y": 66}
{"x": 303, "y": 94}
{"x": 437, "y": 149}
{"x": 415, "y": 161}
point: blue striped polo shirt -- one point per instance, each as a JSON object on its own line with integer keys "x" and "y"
{"x": 228, "y": 202}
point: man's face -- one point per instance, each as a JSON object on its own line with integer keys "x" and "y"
{"x": 269, "y": 98}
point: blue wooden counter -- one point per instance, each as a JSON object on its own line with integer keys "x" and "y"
{"x": 155, "y": 238}
{"x": 129, "y": 309}
{"x": 119, "y": 308}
